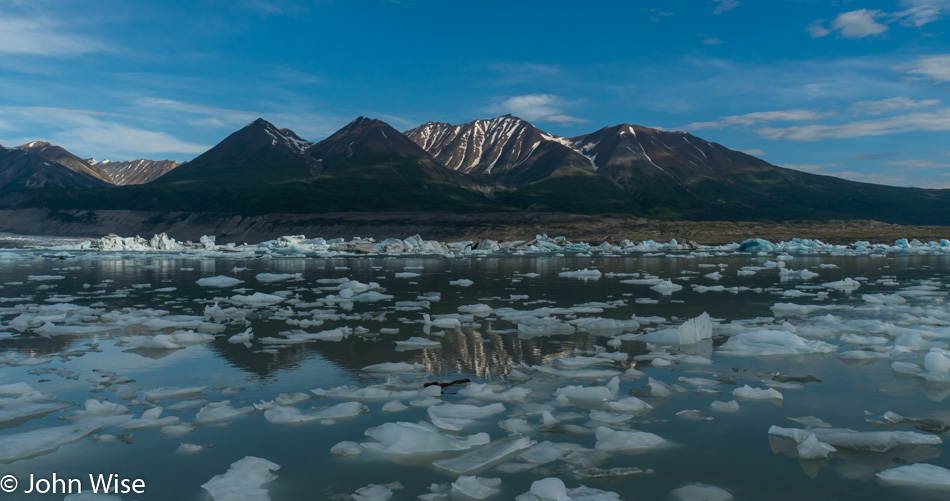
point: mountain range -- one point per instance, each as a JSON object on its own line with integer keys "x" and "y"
{"x": 498, "y": 164}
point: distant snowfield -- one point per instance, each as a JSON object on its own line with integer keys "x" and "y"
{"x": 567, "y": 371}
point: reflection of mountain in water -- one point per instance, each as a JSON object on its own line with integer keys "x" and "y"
{"x": 466, "y": 352}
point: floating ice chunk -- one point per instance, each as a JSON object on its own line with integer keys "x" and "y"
{"x": 346, "y": 449}
{"x": 257, "y": 299}
{"x": 406, "y": 274}
{"x": 720, "y": 406}
{"x": 243, "y": 481}
{"x": 293, "y": 415}
{"x": 370, "y": 297}
{"x": 630, "y": 405}
{"x": 773, "y": 342}
{"x": 812, "y": 448}
{"x": 395, "y": 367}
{"x": 218, "y": 281}
{"x": 291, "y": 398}
{"x": 376, "y": 492}
{"x": 186, "y": 448}
{"x": 810, "y": 421}
{"x": 42, "y": 441}
{"x": 476, "y": 487}
{"x": 713, "y": 276}
{"x": 846, "y": 285}
{"x": 550, "y": 489}
{"x": 462, "y": 282}
{"x": 936, "y": 361}
{"x": 585, "y": 274}
{"x": 278, "y": 277}
{"x": 609, "y": 440}
{"x": 28, "y": 405}
{"x": 479, "y": 459}
{"x": 150, "y": 419}
{"x": 16, "y": 389}
{"x": 454, "y": 417}
{"x": 177, "y": 429}
{"x": 44, "y": 278}
{"x": 402, "y": 438}
{"x": 546, "y": 452}
{"x": 921, "y": 475}
{"x": 442, "y": 322}
{"x": 749, "y": 393}
{"x": 220, "y": 411}
{"x": 98, "y": 408}
{"x": 588, "y": 396}
{"x": 159, "y": 394}
{"x": 877, "y": 441}
{"x": 666, "y": 287}
{"x": 242, "y": 338}
{"x": 889, "y": 299}
{"x": 394, "y": 406}
{"x": 494, "y": 393}
{"x": 417, "y": 343}
{"x": 692, "y": 331}
{"x": 699, "y": 492}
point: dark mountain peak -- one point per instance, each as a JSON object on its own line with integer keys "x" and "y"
{"x": 34, "y": 144}
{"x": 371, "y": 135}
{"x": 291, "y": 134}
{"x": 256, "y": 153}
{"x": 63, "y": 157}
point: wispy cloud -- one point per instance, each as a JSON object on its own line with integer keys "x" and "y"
{"x": 919, "y": 163}
{"x": 929, "y": 122}
{"x": 712, "y": 41}
{"x": 725, "y": 5}
{"x": 863, "y": 157}
{"x": 89, "y": 132}
{"x": 892, "y": 104}
{"x": 22, "y": 36}
{"x": 538, "y": 108}
{"x": 757, "y": 118}
{"x": 920, "y": 12}
{"x": 936, "y": 68}
{"x": 817, "y": 29}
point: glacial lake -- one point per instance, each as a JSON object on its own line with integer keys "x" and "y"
{"x": 81, "y": 326}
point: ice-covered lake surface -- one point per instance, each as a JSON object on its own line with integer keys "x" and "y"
{"x": 761, "y": 375}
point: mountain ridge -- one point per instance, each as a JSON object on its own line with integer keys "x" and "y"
{"x": 499, "y": 164}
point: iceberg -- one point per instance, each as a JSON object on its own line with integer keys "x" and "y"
{"x": 401, "y": 439}
{"x": 243, "y": 481}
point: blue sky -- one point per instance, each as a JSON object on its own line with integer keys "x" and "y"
{"x": 857, "y": 89}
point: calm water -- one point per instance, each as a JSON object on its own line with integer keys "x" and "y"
{"x": 110, "y": 296}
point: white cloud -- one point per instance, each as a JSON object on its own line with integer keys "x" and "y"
{"x": 757, "y": 118}
{"x": 89, "y": 134}
{"x": 712, "y": 41}
{"x": 859, "y": 23}
{"x": 565, "y": 120}
{"x": 28, "y": 37}
{"x": 935, "y": 68}
{"x": 891, "y": 104}
{"x": 725, "y": 5}
{"x": 919, "y": 163}
{"x": 929, "y": 122}
{"x": 817, "y": 29}
{"x": 532, "y": 106}
{"x": 813, "y": 168}
{"x": 538, "y": 108}
{"x": 921, "y": 12}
